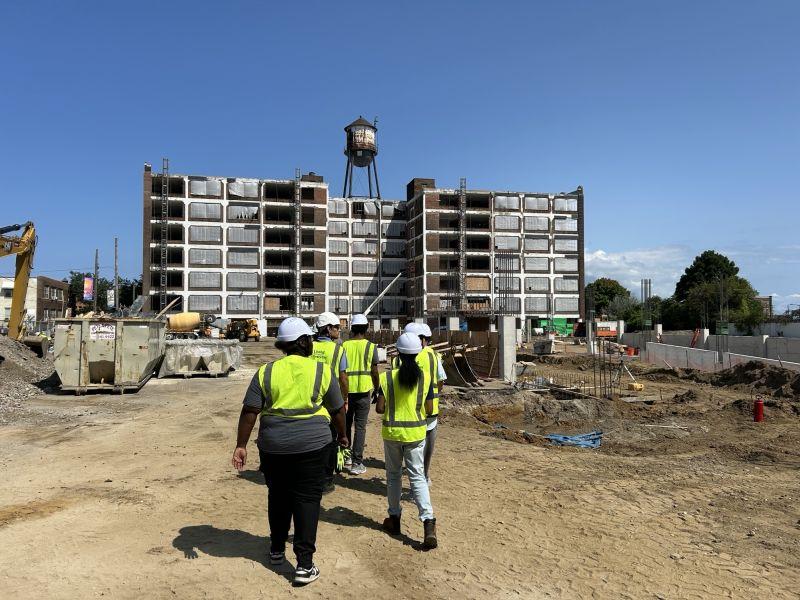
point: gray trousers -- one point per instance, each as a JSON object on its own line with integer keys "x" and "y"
{"x": 358, "y": 412}
{"x": 430, "y": 443}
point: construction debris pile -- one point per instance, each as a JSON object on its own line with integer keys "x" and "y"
{"x": 22, "y": 375}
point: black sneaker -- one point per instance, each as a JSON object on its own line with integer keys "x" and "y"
{"x": 328, "y": 488}
{"x": 277, "y": 558}
{"x": 305, "y": 576}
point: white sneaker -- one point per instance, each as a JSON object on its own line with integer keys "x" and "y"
{"x": 358, "y": 469}
{"x": 305, "y": 576}
{"x": 348, "y": 463}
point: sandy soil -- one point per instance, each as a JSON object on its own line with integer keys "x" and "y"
{"x": 133, "y": 497}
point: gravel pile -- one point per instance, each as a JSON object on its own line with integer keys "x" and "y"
{"x": 22, "y": 375}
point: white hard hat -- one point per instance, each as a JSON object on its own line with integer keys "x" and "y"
{"x": 292, "y": 328}
{"x": 359, "y": 319}
{"x": 415, "y": 328}
{"x": 326, "y": 318}
{"x": 424, "y": 330}
{"x": 408, "y": 343}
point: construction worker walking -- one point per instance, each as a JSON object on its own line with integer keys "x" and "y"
{"x": 405, "y": 399}
{"x": 362, "y": 379}
{"x": 329, "y": 351}
{"x": 297, "y": 399}
{"x": 430, "y": 361}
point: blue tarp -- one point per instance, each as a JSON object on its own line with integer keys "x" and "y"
{"x": 583, "y": 440}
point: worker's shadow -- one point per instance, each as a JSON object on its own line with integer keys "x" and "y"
{"x": 252, "y": 475}
{"x": 375, "y": 463}
{"x": 228, "y": 543}
{"x": 373, "y": 485}
{"x": 341, "y": 515}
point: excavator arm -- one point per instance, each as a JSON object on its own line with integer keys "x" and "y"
{"x": 23, "y": 247}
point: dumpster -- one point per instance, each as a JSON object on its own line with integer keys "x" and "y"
{"x": 107, "y": 353}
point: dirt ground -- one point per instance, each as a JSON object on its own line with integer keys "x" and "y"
{"x": 133, "y": 497}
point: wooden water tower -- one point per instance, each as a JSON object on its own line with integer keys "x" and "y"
{"x": 361, "y": 149}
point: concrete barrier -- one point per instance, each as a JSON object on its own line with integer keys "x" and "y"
{"x": 682, "y": 357}
{"x": 677, "y": 338}
{"x": 750, "y": 345}
{"x": 781, "y": 348}
{"x": 789, "y": 330}
{"x": 729, "y": 359}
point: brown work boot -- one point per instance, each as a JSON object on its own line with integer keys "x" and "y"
{"x": 391, "y": 525}
{"x": 430, "y": 534}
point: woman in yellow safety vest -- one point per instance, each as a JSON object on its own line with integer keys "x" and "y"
{"x": 297, "y": 398}
{"x": 405, "y": 399}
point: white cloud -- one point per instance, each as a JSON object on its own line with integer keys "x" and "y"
{"x": 663, "y": 265}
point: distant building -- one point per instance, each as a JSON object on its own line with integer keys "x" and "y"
{"x": 766, "y": 305}
{"x": 45, "y": 300}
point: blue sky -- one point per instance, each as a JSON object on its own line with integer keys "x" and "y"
{"x": 680, "y": 119}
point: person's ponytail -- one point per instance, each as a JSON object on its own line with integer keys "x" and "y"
{"x": 409, "y": 370}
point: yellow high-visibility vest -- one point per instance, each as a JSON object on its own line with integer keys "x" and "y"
{"x": 294, "y": 387}
{"x": 404, "y": 416}
{"x": 428, "y": 360}
{"x": 328, "y": 353}
{"x": 359, "y": 365}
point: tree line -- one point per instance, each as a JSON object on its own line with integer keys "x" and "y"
{"x": 129, "y": 289}
{"x": 710, "y": 292}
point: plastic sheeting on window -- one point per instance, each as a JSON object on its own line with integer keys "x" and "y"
{"x": 363, "y": 229}
{"x": 242, "y": 281}
{"x": 243, "y": 189}
{"x": 242, "y": 235}
{"x": 337, "y": 267}
{"x": 510, "y": 304}
{"x": 537, "y": 284}
{"x": 536, "y": 203}
{"x": 365, "y": 286}
{"x": 568, "y": 265}
{"x": 368, "y": 248}
{"x": 339, "y": 305}
{"x": 365, "y": 267}
{"x": 205, "y": 210}
{"x": 566, "y": 244}
{"x": 393, "y": 248}
{"x": 565, "y": 224}
{"x": 566, "y": 305}
{"x": 535, "y": 263}
{"x": 388, "y": 210}
{"x": 205, "y": 279}
{"x": 537, "y": 224}
{"x": 370, "y": 209}
{"x": 361, "y": 304}
{"x": 338, "y": 247}
{"x": 506, "y": 264}
{"x": 238, "y": 211}
{"x": 566, "y": 284}
{"x": 243, "y": 258}
{"x": 537, "y": 244}
{"x": 506, "y": 284}
{"x": 337, "y": 286}
{"x": 205, "y": 233}
{"x": 391, "y": 267}
{"x": 565, "y": 204}
{"x": 242, "y": 303}
{"x": 337, "y": 207}
{"x": 506, "y": 242}
{"x": 205, "y": 303}
{"x": 536, "y": 304}
{"x": 506, "y": 223}
{"x": 394, "y": 229}
{"x": 203, "y": 256}
{"x": 506, "y": 202}
{"x": 337, "y": 227}
{"x": 205, "y": 187}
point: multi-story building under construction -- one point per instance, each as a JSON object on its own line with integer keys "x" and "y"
{"x": 269, "y": 248}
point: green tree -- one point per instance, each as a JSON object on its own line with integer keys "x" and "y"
{"x": 604, "y": 290}
{"x": 731, "y": 299}
{"x": 127, "y": 287}
{"x": 707, "y": 267}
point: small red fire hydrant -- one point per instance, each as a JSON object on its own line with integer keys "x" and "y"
{"x": 758, "y": 409}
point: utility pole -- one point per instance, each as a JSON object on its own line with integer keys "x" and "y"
{"x": 94, "y": 283}
{"x": 116, "y": 274}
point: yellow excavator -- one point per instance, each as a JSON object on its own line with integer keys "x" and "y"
{"x": 23, "y": 246}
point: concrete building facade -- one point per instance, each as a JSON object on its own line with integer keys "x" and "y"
{"x": 230, "y": 251}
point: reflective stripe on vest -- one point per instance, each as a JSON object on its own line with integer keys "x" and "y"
{"x": 314, "y": 402}
{"x": 433, "y": 360}
{"x": 359, "y": 373}
{"x": 398, "y": 427}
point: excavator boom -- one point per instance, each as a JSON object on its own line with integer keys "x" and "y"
{"x": 23, "y": 247}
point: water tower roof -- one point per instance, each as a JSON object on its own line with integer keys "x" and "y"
{"x": 360, "y": 121}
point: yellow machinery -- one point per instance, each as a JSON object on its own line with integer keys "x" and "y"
{"x": 243, "y": 330}
{"x": 23, "y": 246}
